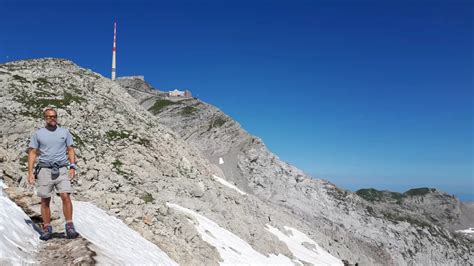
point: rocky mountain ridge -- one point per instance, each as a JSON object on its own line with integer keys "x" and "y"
{"x": 134, "y": 163}
{"x": 427, "y": 205}
{"x": 247, "y": 162}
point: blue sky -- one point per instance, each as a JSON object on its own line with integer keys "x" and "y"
{"x": 361, "y": 93}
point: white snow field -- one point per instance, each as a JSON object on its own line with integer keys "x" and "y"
{"x": 469, "y": 231}
{"x": 232, "y": 249}
{"x": 227, "y": 184}
{"x": 313, "y": 254}
{"x": 18, "y": 240}
{"x": 114, "y": 242}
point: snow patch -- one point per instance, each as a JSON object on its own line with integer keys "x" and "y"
{"x": 2, "y": 186}
{"x": 114, "y": 242}
{"x": 227, "y": 184}
{"x": 466, "y": 231}
{"x": 311, "y": 253}
{"x": 18, "y": 240}
{"x": 232, "y": 249}
{"x": 221, "y": 161}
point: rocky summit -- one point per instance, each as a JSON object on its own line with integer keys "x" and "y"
{"x": 163, "y": 165}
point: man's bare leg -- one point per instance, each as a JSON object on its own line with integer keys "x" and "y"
{"x": 67, "y": 206}
{"x": 67, "y": 210}
{"x": 46, "y": 216}
{"x": 45, "y": 211}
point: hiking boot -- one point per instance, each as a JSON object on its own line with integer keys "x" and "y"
{"x": 71, "y": 231}
{"x": 47, "y": 233}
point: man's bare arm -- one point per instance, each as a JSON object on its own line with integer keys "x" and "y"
{"x": 32, "y": 153}
{"x": 72, "y": 160}
{"x": 71, "y": 154}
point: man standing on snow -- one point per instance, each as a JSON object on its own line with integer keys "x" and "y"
{"x": 52, "y": 143}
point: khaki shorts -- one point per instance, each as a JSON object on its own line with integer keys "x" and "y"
{"x": 45, "y": 184}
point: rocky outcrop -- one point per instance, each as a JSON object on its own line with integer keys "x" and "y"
{"x": 66, "y": 252}
{"x": 367, "y": 235}
{"x": 422, "y": 205}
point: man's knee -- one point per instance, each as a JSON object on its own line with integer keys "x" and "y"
{"x": 65, "y": 196}
{"x": 45, "y": 202}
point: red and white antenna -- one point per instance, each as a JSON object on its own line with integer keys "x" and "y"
{"x": 113, "y": 50}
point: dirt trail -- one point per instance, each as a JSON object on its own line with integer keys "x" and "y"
{"x": 62, "y": 251}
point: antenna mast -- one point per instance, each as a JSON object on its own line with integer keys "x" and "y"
{"x": 113, "y": 50}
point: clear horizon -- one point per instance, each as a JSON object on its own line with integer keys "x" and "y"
{"x": 363, "y": 94}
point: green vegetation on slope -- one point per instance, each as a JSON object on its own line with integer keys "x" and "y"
{"x": 77, "y": 140}
{"x": 419, "y": 191}
{"x": 116, "y": 135}
{"x": 159, "y": 105}
{"x": 36, "y": 102}
{"x": 147, "y": 197}
{"x": 217, "y": 122}
{"x": 372, "y": 195}
{"x": 117, "y": 166}
{"x": 188, "y": 110}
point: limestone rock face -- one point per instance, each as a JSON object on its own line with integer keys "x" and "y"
{"x": 138, "y": 151}
{"x": 354, "y": 228}
{"x": 425, "y": 205}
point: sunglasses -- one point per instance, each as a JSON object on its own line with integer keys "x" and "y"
{"x": 50, "y": 116}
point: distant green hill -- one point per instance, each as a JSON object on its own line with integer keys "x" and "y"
{"x": 372, "y": 194}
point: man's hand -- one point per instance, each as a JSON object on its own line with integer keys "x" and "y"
{"x": 72, "y": 174}
{"x": 31, "y": 179}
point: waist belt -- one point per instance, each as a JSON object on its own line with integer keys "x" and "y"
{"x": 53, "y": 166}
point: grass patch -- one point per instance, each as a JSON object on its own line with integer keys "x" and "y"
{"x": 147, "y": 197}
{"x": 160, "y": 105}
{"x": 20, "y": 79}
{"x": 117, "y": 166}
{"x": 419, "y": 191}
{"x": 117, "y": 163}
{"x": 217, "y": 122}
{"x": 117, "y": 135}
{"x": 77, "y": 140}
{"x": 35, "y": 103}
{"x": 188, "y": 110}
{"x": 371, "y": 194}
{"x": 24, "y": 163}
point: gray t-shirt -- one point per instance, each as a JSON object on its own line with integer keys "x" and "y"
{"x": 52, "y": 145}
